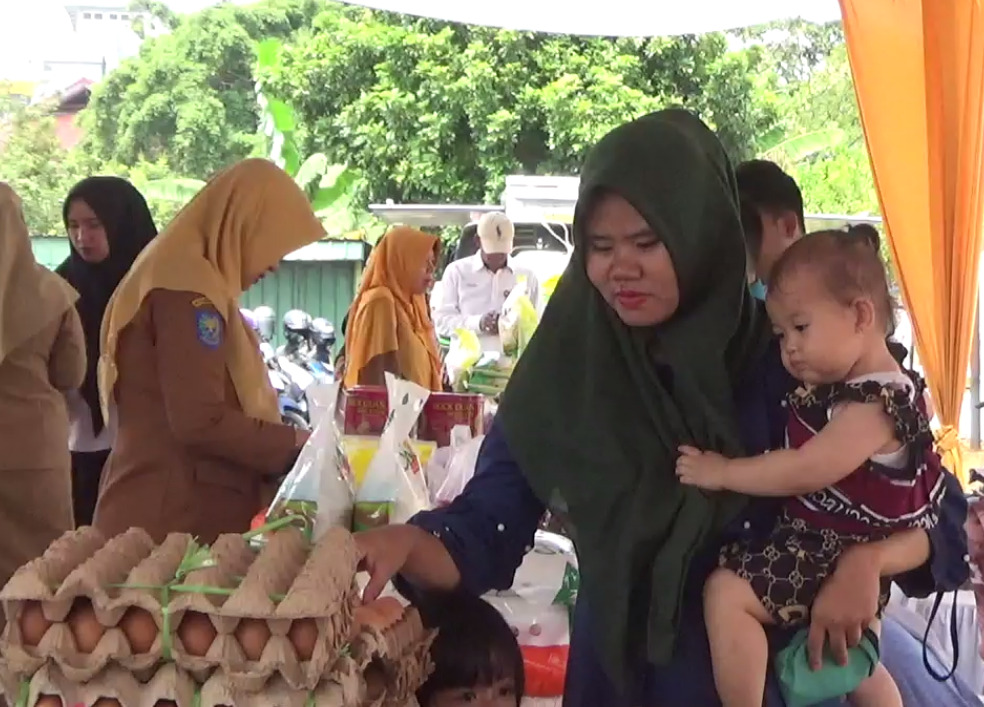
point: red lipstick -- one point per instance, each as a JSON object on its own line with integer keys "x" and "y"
{"x": 629, "y": 299}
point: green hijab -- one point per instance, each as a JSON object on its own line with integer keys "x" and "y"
{"x": 595, "y": 410}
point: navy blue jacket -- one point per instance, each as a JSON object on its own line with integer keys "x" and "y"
{"x": 490, "y": 527}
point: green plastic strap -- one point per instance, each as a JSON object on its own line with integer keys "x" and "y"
{"x": 196, "y": 699}
{"x": 300, "y": 520}
{"x": 166, "y": 622}
{"x": 24, "y": 694}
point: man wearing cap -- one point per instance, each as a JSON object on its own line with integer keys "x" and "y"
{"x": 474, "y": 289}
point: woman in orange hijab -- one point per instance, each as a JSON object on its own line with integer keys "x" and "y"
{"x": 199, "y": 435}
{"x": 390, "y": 328}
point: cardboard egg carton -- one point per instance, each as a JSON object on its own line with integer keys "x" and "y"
{"x": 64, "y": 605}
{"x": 394, "y": 659}
{"x": 112, "y": 687}
{"x": 289, "y": 613}
{"x": 342, "y": 687}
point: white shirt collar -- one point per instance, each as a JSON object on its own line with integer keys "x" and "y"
{"x": 477, "y": 264}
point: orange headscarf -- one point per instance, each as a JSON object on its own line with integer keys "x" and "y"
{"x": 396, "y": 262}
{"x": 240, "y": 224}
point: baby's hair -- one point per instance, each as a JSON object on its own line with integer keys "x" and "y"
{"x": 867, "y": 232}
{"x": 474, "y": 645}
{"x": 848, "y": 264}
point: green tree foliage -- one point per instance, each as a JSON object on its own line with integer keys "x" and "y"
{"x": 822, "y": 142}
{"x": 837, "y": 179}
{"x": 35, "y": 164}
{"x": 187, "y": 100}
{"x": 433, "y": 111}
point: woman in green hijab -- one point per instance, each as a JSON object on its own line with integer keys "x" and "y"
{"x": 650, "y": 341}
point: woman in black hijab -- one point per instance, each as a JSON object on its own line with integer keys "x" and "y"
{"x": 108, "y": 224}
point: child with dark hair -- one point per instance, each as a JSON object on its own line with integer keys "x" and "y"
{"x": 867, "y": 232}
{"x": 772, "y": 212}
{"x": 476, "y": 656}
{"x": 859, "y": 466}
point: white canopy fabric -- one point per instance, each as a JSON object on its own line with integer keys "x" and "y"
{"x": 614, "y": 18}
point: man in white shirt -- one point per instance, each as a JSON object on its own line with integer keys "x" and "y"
{"x": 474, "y": 289}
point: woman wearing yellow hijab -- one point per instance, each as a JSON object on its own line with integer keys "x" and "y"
{"x": 199, "y": 431}
{"x": 390, "y": 328}
{"x": 42, "y": 356}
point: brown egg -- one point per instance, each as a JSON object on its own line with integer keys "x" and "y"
{"x": 139, "y": 628}
{"x": 375, "y": 678}
{"x": 196, "y": 633}
{"x": 85, "y": 626}
{"x": 253, "y": 635}
{"x": 303, "y": 635}
{"x": 389, "y": 610}
{"x": 49, "y": 701}
{"x": 32, "y": 623}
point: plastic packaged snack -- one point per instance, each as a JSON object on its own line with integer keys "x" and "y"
{"x": 465, "y": 352}
{"x": 518, "y": 321}
{"x": 320, "y": 486}
{"x": 394, "y": 487}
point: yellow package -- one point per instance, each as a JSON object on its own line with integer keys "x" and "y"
{"x": 465, "y": 352}
{"x": 518, "y": 321}
{"x": 361, "y": 449}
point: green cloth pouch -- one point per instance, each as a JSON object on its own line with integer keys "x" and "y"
{"x": 802, "y": 687}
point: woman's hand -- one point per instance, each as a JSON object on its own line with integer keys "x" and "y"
{"x": 846, "y": 605}
{"x": 407, "y": 550}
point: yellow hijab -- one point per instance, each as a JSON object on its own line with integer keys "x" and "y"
{"x": 31, "y": 296}
{"x": 241, "y": 224}
{"x": 397, "y": 260}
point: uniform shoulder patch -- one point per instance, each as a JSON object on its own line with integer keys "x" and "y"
{"x": 208, "y": 324}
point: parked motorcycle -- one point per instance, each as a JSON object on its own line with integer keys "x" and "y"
{"x": 290, "y": 395}
{"x": 323, "y": 335}
{"x": 306, "y": 352}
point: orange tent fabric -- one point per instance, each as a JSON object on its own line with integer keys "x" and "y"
{"x": 918, "y": 70}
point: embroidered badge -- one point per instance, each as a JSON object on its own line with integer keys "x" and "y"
{"x": 209, "y": 325}
{"x": 199, "y": 302}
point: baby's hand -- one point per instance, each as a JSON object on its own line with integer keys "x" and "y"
{"x": 706, "y": 470}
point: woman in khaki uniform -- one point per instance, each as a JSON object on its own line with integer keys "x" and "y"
{"x": 199, "y": 434}
{"x": 42, "y": 356}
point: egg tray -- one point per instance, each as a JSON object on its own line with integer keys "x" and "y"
{"x": 170, "y": 686}
{"x": 250, "y": 608}
{"x": 111, "y": 687}
{"x": 395, "y": 660}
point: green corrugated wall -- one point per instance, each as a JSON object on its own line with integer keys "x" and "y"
{"x": 322, "y": 288}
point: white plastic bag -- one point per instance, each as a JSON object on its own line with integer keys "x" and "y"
{"x": 537, "y": 608}
{"x": 461, "y": 464}
{"x": 394, "y": 488}
{"x": 320, "y": 486}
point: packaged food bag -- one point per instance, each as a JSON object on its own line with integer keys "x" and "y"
{"x": 320, "y": 486}
{"x": 490, "y": 375}
{"x": 460, "y": 465}
{"x": 537, "y": 608}
{"x": 465, "y": 352}
{"x": 517, "y": 322}
{"x": 394, "y": 487}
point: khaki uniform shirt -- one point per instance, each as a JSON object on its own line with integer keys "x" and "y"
{"x": 186, "y": 457}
